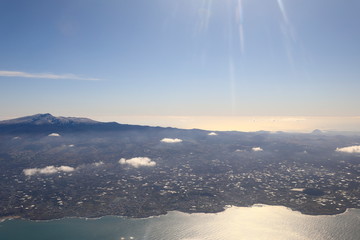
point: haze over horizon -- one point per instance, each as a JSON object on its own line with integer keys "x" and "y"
{"x": 236, "y": 123}
{"x": 219, "y": 65}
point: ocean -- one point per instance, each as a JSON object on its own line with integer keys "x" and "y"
{"x": 235, "y": 223}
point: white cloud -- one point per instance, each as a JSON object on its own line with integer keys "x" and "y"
{"x": 97, "y": 164}
{"x": 297, "y": 189}
{"x": 257, "y": 149}
{"x": 47, "y": 170}
{"x": 30, "y": 171}
{"x": 44, "y": 75}
{"x": 138, "y": 162}
{"x": 240, "y": 150}
{"x": 54, "y": 135}
{"x": 351, "y": 149}
{"x": 65, "y": 169}
{"x": 212, "y": 134}
{"x": 171, "y": 140}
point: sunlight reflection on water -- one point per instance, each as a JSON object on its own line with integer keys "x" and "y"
{"x": 258, "y": 222}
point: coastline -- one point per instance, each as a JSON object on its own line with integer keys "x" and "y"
{"x": 6, "y": 218}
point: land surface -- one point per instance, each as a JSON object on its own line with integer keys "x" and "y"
{"x": 202, "y": 173}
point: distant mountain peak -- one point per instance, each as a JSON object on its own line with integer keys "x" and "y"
{"x": 46, "y": 123}
{"x": 317, "y": 131}
{"x": 44, "y": 115}
{"x": 48, "y": 119}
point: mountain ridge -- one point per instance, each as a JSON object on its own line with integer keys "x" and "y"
{"x": 47, "y": 118}
{"x": 48, "y": 123}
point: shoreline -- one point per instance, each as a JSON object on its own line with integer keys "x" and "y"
{"x": 6, "y": 218}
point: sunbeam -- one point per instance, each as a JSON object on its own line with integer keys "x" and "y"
{"x": 231, "y": 58}
{"x": 283, "y": 11}
{"x": 205, "y": 13}
{"x": 288, "y": 32}
{"x": 240, "y": 23}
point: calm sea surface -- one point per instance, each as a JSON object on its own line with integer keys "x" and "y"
{"x": 258, "y": 222}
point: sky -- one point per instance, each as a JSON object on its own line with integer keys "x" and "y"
{"x": 155, "y": 62}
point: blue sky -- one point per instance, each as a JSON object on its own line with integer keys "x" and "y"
{"x": 180, "y": 58}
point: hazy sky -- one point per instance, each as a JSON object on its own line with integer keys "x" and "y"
{"x": 180, "y": 57}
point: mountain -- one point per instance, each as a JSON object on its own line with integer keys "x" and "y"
{"x": 47, "y": 123}
{"x": 317, "y": 132}
{"x": 47, "y": 119}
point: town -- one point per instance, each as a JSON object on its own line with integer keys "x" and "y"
{"x": 200, "y": 172}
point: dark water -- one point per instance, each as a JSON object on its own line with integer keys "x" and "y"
{"x": 258, "y": 222}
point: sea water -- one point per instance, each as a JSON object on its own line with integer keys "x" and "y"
{"x": 257, "y": 222}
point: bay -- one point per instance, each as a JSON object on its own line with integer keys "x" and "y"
{"x": 257, "y": 222}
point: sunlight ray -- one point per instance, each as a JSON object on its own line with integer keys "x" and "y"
{"x": 240, "y": 23}
{"x": 231, "y": 56}
{"x": 204, "y": 15}
{"x": 288, "y": 32}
